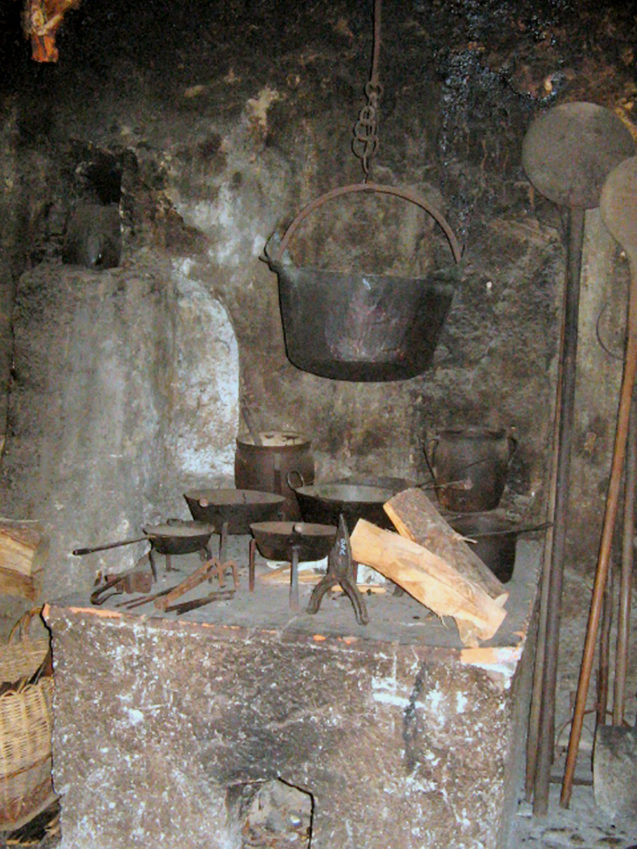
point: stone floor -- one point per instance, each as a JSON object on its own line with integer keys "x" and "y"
{"x": 581, "y": 826}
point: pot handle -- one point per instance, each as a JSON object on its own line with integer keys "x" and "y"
{"x": 513, "y": 447}
{"x": 80, "y": 552}
{"x": 405, "y": 194}
{"x": 294, "y": 472}
{"x": 430, "y": 455}
{"x": 525, "y": 529}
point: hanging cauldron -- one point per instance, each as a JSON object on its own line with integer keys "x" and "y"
{"x": 357, "y": 326}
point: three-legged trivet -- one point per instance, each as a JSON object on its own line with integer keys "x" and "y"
{"x": 340, "y": 570}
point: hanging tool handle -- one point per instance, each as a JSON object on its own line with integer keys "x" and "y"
{"x": 405, "y": 194}
{"x": 288, "y": 479}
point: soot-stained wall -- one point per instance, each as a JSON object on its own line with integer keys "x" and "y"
{"x": 220, "y": 121}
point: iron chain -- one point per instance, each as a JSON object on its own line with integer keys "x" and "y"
{"x": 365, "y": 142}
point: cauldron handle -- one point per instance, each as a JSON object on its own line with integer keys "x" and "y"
{"x": 405, "y": 194}
{"x": 429, "y": 456}
{"x": 513, "y": 447}
{"x": 294, "y": 472}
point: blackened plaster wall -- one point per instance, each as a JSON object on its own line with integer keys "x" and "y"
{"x": 225, "y": 119}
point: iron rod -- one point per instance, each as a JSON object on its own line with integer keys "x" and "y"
{"x": 603, "y": 674}
{"x": 603, "y": 562}
{"x": 575, "y": 238}
{"x": 540, "y": 647}
{"x": 625, "y": 586}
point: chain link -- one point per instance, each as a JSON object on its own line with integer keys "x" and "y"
{"x": 365, "y": 141}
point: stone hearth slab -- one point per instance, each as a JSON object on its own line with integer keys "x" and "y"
{"x": 402, "y": 737}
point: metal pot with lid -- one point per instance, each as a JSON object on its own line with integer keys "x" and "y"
{"x": 264, "y": 460}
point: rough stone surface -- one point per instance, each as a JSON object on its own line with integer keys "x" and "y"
{"x": 582, "y": 824}
{"x": 223, "y": 119}
{"x": 162, "y": 724}
{"x": 223, "y": 129}
{"x": 123, "y": 397}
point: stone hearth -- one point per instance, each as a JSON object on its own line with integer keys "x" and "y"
{"x": 166, "y": 731}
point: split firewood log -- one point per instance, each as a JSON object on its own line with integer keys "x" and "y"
{"x": 430, "y": 579}
{"x": 417, "y": 519}
{"x": 23, "y": 552}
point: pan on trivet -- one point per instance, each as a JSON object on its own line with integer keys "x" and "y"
{"x": 293, "y": 541}
{"x": 324, "y": 503}
{"x": 177, "y": 536}
{"x": 233, "y": 509}
{"x": 277, "y": 540}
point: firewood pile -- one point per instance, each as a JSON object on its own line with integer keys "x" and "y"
{"x": 434, "y": 564}
{"x": 23, "y": 552}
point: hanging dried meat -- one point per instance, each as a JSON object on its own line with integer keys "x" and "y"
{"x": 41, "y": 20}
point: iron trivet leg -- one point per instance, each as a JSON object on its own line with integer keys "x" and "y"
{"x": 223, "y": 542}
{"x": 153, "y": 564}
{"x": 251, "y": 567}
{"x": 294, "y": 580}
{"x": 340, "y": 570}
{"x": 221, "y": 569}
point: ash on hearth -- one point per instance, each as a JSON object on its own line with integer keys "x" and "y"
{"x": 279, "y": 817}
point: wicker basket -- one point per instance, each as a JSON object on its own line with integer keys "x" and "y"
{"x": 25, "y": 726}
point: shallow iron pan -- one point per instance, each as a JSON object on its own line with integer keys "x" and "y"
{"x": 324, "y": 503}
{"x": 278, "y": 540}
{"x": 237, "y": 509}
{"x": 177, "y": 536}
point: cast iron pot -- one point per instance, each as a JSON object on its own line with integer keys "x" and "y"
{"x": 361, "y": 327}
{"x": 470, "y": 467}
{"x": 265, "y": 463}
{"x": 356, "y": 325}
